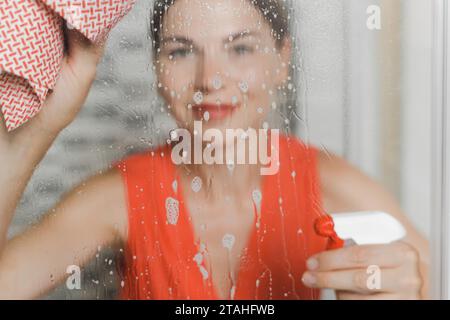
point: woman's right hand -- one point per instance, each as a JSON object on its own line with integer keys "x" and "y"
{"x": 22, "y": 149}
{"x": 78, "y": 71}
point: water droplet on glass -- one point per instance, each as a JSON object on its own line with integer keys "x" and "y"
{"x": 198, "y": 258}
{"x": 217, "y": 82}
{"x": 173, "y": 134}
{"x": 196, "y": 184}
{"x": 175, "y": 186}
{"x": 257, "y": 199}
{"x": 198, "y": 97}
{"x": 257, "y": 196}
{"x": 232, "y": 292}
{"x": 204, "y": 272}
{"x": 228, "y": 241}
{"x": 243, "y": 86}
{"x": 172, "y": 210}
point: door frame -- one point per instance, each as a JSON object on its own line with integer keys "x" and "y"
{"x": 439, "y": 241}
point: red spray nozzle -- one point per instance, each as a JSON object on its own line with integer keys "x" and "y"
{"x": 324, "y": 226}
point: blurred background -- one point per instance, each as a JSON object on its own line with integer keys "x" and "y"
{"x": 362, "y": 92}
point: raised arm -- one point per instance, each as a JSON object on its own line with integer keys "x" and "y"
{"x": 91, "y": 215}
{"x": 22, "y": 149}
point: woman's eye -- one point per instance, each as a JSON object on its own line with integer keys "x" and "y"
{"x": 242, "y": 49}
{"x": 179, "y": 53}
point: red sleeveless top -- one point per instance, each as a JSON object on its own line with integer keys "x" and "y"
{"x": 161, "y": 254}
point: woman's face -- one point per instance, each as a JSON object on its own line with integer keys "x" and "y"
{"x": 219, "y": 64}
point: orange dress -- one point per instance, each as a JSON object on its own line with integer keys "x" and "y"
{"x": 160, "y": 257}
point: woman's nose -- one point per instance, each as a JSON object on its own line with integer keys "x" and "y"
{"x": 210, "y": 72}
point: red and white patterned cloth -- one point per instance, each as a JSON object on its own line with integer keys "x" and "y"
{"x": 32, "y": 47}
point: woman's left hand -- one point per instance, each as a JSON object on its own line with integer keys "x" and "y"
{"x": 388, "y": 271}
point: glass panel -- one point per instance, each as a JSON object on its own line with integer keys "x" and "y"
{"x": 356, "y": 88}
{"x": 366, "y": 100}
{"x": 440, "y": 119}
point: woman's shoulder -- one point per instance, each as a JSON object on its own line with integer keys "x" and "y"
{"x": 326, "y": 159}
{"x": 142, "y": 160}
{"x": 337, "y": 177}
{"x": 345, "y": 187}
{"x": 295, "y": 144}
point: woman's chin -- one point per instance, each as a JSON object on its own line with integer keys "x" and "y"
{"x": 217, "y": 124}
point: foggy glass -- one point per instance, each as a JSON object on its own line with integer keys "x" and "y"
{"x": 360, "y": 93}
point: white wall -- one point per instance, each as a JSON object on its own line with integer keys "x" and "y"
{"x": 321, "y": 43}
{"x": 344, "y": 82}
{"x": 416, "y": 96}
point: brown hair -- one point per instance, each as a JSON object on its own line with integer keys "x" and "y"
{"x": 273, "y": 11}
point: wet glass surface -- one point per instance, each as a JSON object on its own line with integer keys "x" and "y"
{"x": 358, "y": 86}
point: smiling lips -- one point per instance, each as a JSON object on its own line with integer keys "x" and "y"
{"x": 215, "y": 112}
